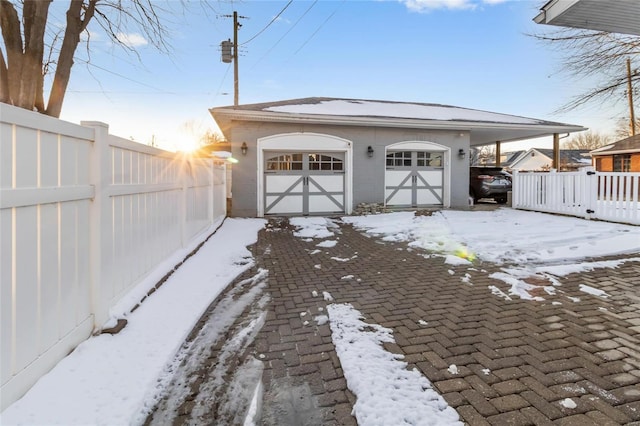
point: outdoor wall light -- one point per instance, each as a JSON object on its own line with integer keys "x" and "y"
{"x": 244, "y": 148}
{"x": 461, "y": 153}
{"x": 370, "y": 151}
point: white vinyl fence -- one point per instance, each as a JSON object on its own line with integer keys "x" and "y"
{"x": 611, "y": 196}
{"x": 84, "y": 216}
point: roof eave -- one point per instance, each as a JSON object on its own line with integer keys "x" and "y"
{"x": 225, "y": 116}
{"x": 619, "y": 151}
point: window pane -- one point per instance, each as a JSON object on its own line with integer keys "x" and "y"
{"x": 337, "y": 166}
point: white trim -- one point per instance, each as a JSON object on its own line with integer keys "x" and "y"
{"x": 306, "y": 142}
{"x": 425, "y": 146}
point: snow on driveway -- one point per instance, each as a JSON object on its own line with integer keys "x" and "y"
{"x": 504, "y": 235}
{"x": 530, "y": 245}
{"x": 387, "y": 393}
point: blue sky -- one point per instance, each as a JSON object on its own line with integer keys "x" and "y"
{"x": 468, "y": 53}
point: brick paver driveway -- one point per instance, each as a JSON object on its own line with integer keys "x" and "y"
{"x": 517, "y": 360}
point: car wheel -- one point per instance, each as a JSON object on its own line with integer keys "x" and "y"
{"x": 501, "y": 200}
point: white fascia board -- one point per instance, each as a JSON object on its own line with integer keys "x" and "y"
{"x": 620, "y": 151}
{"x": 263, "y": 116}
{"x": 553, "y": 10}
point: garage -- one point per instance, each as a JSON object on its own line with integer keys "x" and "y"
{"x": 304, "y": 174}
{"x": 415, "y": 175}
{"x": 304, "y": 183}
{"x": 335, "y": 156}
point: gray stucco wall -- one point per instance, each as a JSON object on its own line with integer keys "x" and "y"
{"x": 368, "y": 173}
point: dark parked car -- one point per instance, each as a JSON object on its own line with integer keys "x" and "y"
{"x": 489, "y": 182}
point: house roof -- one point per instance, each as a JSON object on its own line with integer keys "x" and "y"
{"x": 484, "y": 126}
{"x": 614, "y": 16}
{"x": 569, "y": 156}
{"x": 624, "y": 146}
{"x": 511, "y": 157}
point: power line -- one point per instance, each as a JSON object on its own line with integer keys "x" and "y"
{"x": 122, "y": 76}
{"x": 285, "y": 34}
{"x": 269, "y": 24}
{"x": 319, "y": 28}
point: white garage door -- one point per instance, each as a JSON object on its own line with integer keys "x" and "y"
{"x": 304, "y": 183}
{"x": 414, "y": 178}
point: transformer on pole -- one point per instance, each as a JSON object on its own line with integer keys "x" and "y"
{"x": 229, "y": 52}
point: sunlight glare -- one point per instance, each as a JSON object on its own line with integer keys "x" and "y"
{"x": 187, "y": 144}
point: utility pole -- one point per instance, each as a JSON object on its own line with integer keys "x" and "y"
{"x": 235, "y": 58}
{"x": 632, "y": 117}
{"x": 227, "y": 56}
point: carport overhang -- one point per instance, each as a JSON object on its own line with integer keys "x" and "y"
{"x": 614, "y": 16}
{"x": 480, "y": 132}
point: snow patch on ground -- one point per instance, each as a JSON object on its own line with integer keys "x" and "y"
{"x": 568, "y": 403}
{"x": 593, "y": 291}
{"x": 312, "y": 227}
{"x": 573, "y": 268}
{"x": 489, "y": 235}
{"x": 327, "y": 296}
{"x": 327, "y": 243}
{"x": 341, "y": 259}
{"x": 518, "y": 287}
{"x": 386, "y": 392}
{"x": 451, "y": 259}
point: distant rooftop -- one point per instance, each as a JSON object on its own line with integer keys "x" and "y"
{"x": 630, "y": 144}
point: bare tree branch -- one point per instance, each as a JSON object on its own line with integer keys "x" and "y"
{"x": 22, "y": 72}
{"x": 589, "y": 54}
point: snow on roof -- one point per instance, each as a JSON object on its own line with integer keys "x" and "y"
{"x": 388, "y": 109}
{"x": 630, "y": 144}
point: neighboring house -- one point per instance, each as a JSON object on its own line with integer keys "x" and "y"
{"x": 540, "y": 159}
{"x": 508, "y": 158}
{"x": 613, "y": 16}
{"x": 327, "y": 155}
{"x": 621, "y": 156}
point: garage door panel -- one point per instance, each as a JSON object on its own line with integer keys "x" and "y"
{"x": 428, "y": 197}
{"x": 397, "y": 177}
{"x": 287, "y": 205}
{"x": 326, "y": 204}
{"x": 433, "y": 177}
{"x": 326, "y": 183}
{"x": 402, "y": 197}
{"x": 283, "y": 183}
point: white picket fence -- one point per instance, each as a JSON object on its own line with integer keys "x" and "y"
{"x": 610, "y": 196}
{"x": 84, "y": 216}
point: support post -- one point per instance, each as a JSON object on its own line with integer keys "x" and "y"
{"x": 632, "y": 116}
{"x": 98, "y": 211}
{"x": 498, "y": 154}
{"x": 556, "y": 151}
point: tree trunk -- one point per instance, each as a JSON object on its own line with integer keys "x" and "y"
{"x": 75, "y": 25}
{"x": 35, "y": 21}
{"x": 10, "y": 24}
